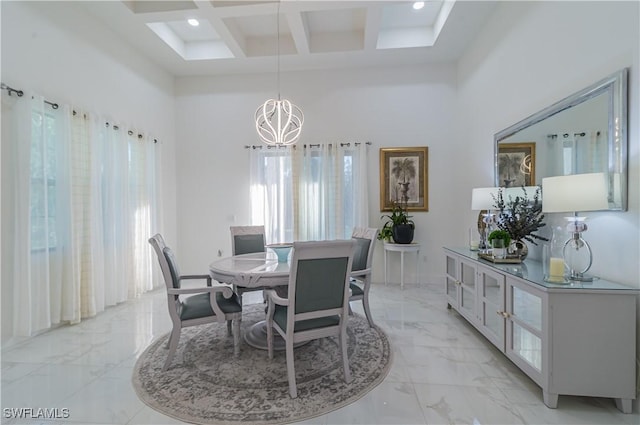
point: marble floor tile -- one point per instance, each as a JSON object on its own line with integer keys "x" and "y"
{"x": 443, "y": 370}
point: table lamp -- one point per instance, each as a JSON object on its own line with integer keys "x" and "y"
{"x": 482, "y": 199}
{"x": 575, "y": 193}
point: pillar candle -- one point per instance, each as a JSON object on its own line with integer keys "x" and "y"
{"x": 556, "y": 267}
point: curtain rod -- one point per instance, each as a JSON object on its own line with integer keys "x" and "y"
{"x": 304, "y": 146}
{"x": 565, "y": 135}
{"x": 20, "y": 93}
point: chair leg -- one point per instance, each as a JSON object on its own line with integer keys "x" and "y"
{"x": 173, "y": 344}
{"x": 270, "y": 338}
{"x": 229, "y": 327}
{"x": 291, "y": 370}
{"x": 236, "y": 336}
{"x": 367, "y": 311}
{"x": 238, "y": 292}
{"x": 345, "y": 357}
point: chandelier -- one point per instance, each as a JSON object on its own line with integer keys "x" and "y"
{"x": 279, "y": 122}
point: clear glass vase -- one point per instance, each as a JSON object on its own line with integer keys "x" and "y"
{"x": 554, "y": 267}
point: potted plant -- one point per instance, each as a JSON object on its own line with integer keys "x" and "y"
{"x": 520, "y": 217}
{"x": 499, "y": 241}
{"x": 499, "y": 234}
{"x": 399, "y": 226}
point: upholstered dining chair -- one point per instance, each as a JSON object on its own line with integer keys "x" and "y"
{"x": 317, "y": 305}
{"x": 205, "y": 304}
{"x": 361, "y": 270}
{"x": 246, "y": 240}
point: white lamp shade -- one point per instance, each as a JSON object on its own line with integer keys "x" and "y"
{"x": 482, "y": 199}
{"x": 573, "y": 193}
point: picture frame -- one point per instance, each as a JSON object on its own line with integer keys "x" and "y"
{"x": 404, "y": 178}
{"x": 516, "y": 164}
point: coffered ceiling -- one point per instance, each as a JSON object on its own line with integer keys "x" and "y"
{"x": 258, "y": 36}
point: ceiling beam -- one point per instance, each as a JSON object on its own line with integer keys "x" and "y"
{"x": 299, "y": 31}
{"x": 372, "y": 27}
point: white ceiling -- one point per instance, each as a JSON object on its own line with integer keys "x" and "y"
{"x": 241, "y": 36}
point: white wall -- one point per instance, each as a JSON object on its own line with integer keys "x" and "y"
{"x": 42, "y": 52}
{"x": 553, "y": 49}
{"x": 390, "y": 107}
{"x": 531, "y": 55}
{"x": 55, "y": 50}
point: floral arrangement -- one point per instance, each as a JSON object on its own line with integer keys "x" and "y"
{"x": 520, "y": 216}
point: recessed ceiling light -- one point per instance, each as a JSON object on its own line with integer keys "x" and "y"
{"x": 195, "y": 23}
{"x": 418, "y": 5}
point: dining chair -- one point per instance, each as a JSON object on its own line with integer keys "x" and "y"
{"x": 361, "y": 270}
{"x": 204, "y": 304}
{"x": 317, "y": 305}
{"x": 246, "y": 240}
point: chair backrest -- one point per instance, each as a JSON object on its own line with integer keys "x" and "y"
{"x": 169, "y": 269}
{"x": 173, "y": 267}
{"x": 168, "y": 264}
{"x": 319, "y": 278}
{"x": 365, "y": 238}
{"x": 247, "y": 239}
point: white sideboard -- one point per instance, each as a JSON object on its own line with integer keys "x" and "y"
{"x": 573, "y": 339}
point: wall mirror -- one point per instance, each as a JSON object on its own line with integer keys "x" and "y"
{"x": 583, "y": 133}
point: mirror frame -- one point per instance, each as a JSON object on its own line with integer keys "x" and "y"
{"x": 616, "y": 86}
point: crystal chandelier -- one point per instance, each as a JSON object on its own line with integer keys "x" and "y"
{"x": 279, "y": 122}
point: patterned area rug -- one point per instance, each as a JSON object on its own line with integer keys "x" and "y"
{"x": 206, "y": 384}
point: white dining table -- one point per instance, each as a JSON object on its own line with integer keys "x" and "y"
{"x": 255, "y": 270}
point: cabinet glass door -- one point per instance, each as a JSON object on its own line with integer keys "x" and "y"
{"x": 468, "y": 289}
{"x": 525, "y": 318}
{"x": 527, "y": 346}
{"x": 492, "y": 305}
{"x": 452, "y": 289}
{"x": 527, "y": 307}
{"x": 451, "y": 284}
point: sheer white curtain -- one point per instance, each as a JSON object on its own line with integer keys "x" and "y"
{"x": 271, "y": 188}
{"x": 83, "y": 209}
{"x": 43, "y": 288}
{"x": 309, "y": 193}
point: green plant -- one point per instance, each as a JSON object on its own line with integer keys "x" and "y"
{"x": 520, "y": 217}
{"x": 398, "y": 216}
{"x": 385, "y": 234}
{"x": 500, "y": 234}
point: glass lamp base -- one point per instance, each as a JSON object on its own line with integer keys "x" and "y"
{"x": 577, "y": 255}
{"x": 582, "y": 277}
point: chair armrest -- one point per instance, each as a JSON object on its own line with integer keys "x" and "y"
{"x": 273, "y": 298}
{"x": 360, "y": 273}
{"x": 226, "y": 291}
{"x": 272, "y": 295}
{"x": 197, "y": 276}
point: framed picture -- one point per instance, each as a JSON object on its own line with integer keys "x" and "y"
{"x": 516, "y": 164}
{"x": 404, "y": 178}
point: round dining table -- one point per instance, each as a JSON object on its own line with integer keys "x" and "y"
{"x": 255, "y": 270}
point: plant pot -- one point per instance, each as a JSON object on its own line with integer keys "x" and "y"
{"x": 403, "y": 233}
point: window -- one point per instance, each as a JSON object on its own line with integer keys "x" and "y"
{"x": 43, "y": 181}
{"x": 309, "y": 193}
